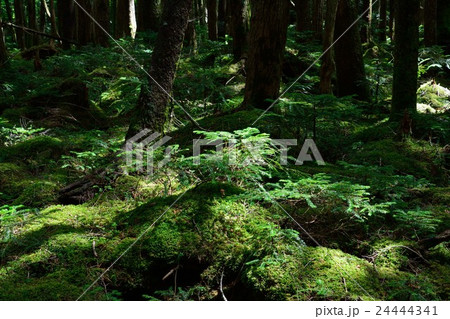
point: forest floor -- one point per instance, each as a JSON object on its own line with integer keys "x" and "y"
{"x": 378, "y": 211}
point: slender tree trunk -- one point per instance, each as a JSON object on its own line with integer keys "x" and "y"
{"x": 351, "y": 76}
{"x": 238, "y": 27}
{"x": 125, "y": 19}
{"x": 101, "y": 14}
{"x": 443, "y": 24}
{"x": 211, "y": 6}
{"x": 317, "y": 23}
{"x": 303, "y": 9}
{"x": 3, "y": 50}
{"x": 152, "y": 105}
{"x": 8, "y": 11}
{"x": 190, "y": 38}
{"x": 66, "y": 20}
{"x": 32, "y": 23}
{"x": 430, "y": 23}
{"x": 383, "y": 21}
{"x": 53, "y": 25}
{"x": 20, "y": 20}
{"x": 147, "y": 15}
{"x": 328, "y": 66}
{"x": 268, "y": 32}
{"x": 84, "y": 23}
{"x": 221, "y": 19}
{"x": 42, "y": 15}
{"x": 391, "y": 19}
{"x": 404, "y": 95}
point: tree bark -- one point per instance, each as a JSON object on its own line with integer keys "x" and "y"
{"x": 221, "y": 19}
{"x": 84, "y": 23}
{"x": 3, "y": 50}
{"x": 406, "y": 54}
{"x": 430, "y": 23}
{"x": 147, "y": 15}
{"x": 66, "y": 21}
{"x": 125, "y": 19}
{"x": 238, "y": 27}
{"x": 350, "y": 72}
{"x": 382, "y": 24}
{"x": 268, "y": 32}
{"x": 328, "y": 66}
{"x": 32, "y": 22}
{"x": 317, "y": 22}
{"x": 391, "y": 19}
{"x": 211, "y": 6}
{"x": 152, "y": 105}
{"x": 20, "y": 20}
{"x": 303, "y": 9}
{"x": 101, "y": 14}
{"x": 443, "y": 24}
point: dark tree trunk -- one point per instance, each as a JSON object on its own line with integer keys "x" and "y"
{"x": 32, "y": 22}
{"x": 147, "y": 15}
{"x": 238, "y": 27}
{"x": 125, "y": 19}
{"x": 84, "y": 23}
{"x": 190, "y": 38}
{"x": 53, "y": 26}
{"x": 366, "y": 21}
{"x": 101, "y": 14}
{"x": 328, "y": 65}
{"x": 152, "y": 105}
{"x": 351, "y": 76}
{"x": 404, "y": 95}
{"x": 8, "y": 10}
{"x": 317, "y": 22}
{"x": 211, "y": 6}
{"x": 42, "y": 15}
{"x": 443, "y": 24}
{"x": 303, "y": 9}
{"x": 66, "y": 20}
{"x": 3, "y": 50}
{"x": 221, "y": 19}
{"x": 20, "y": 20}
{"x": 382, "y": 24}
{"x": 430, "y": 23}
{"x": 391, "y": 19}
{"x": 268, "y": 31}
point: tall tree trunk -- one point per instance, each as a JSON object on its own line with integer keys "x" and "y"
{"x": 20, "y": 20}
{"x": 430, "y": 23}
{"x": 443, "y": 24}
{"x": 406, "y": 54}
{"x": 238, "y": 27}
{"x": 152, "y": 107}
{"x": 125, "y": 19}
{"x": 328, "y": 65}
{"x": 84, "y": 23}
{"x": 147, "y": 15}
{"x": 303, "y": 9}
{"x": 391, "y": 19}
{"x": 351, "y": 76}
{"x": 32, "y": 22}
{"x": 42, "y": 15}
{"x": 221, "y": 19}
{"x": 317, "y": 22}
{"x": 382, "y": 24}
{"x": 3, "y": 50}
{"x": 190, "y": 38}
{"x": 101, "y": 14}
{"x": 66, "y": 20}
{"x": 211, "y": 6}
{"x": 267, "y": 41}
{"x": 53, "y": 26}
